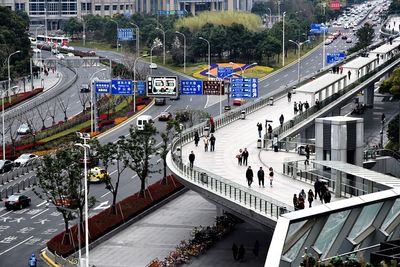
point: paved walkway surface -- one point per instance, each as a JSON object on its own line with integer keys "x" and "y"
{"x": 393, "y": 24}
{"x": 160, "y": 232}
{"x": 47, "y": 82}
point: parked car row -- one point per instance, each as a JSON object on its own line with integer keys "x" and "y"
{"x": 23, "y": 160}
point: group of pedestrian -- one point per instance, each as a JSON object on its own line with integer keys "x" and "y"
{"x": 298, "y": 107}
{"x": 337, "y": 70}
{"x": 239, "y": 252}
{"x": 260, "y": 176}
{"x": 242, "y": 157}
{"x": 322, "y": 192}
{"x": 299, "y": 202}
{"x": 208, "y": 141}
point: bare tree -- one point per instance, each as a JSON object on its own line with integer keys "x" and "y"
{"x": 13, "y": 132}
{"x": 43, "y": 113}
{"x": 52, "y": 111}
{"x": 84, "y": 99}
{"x": 29, "y": 119}
{"x": 64, "y": 107}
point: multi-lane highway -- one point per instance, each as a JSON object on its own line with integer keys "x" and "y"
{"x": 26, "y": 231}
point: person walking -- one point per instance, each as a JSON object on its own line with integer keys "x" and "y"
{"x": 205, "y": 140}
{"x": 327, "y": 196}
{"x": 295, "y": 109}
{"x": 317, "y": 189}
{"x": 271, "y": 176}
{"x": 191, "y": 159}
{"x": 310, "y": 197}
{"x": 245, "y": 156}
{"x": 241, "y": 253}
{"x": 235, "y": 250}
{"x": 295, "y": 201}
{"x": 306, "y": 105}
{"x": 317, "y": 104}
{"x": 249, "y": 176}
{"x": 322, "y": 193}
{"x": 260, "y": 175}
{"x": 212, "y": 125}
{"x": 212, "y": 143}
{"x": 307, "y": 150}
{"x": 281, "y": 120}
{"x": 300, "y": 203}
{"x": 300, "y": 107}
{"x": 269, "y": 131}
{"x": 289, "y": 96}
{"x": 259, "y": 128}
{"x": 349, "y": 74}
{"x": 256, "y": 248}
{"x": 302, "y": 194}
{"x": 196, "y": 138}
{"x": 239, "y": 157}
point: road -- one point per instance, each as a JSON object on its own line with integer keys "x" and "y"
{"x": 26, "y": 231}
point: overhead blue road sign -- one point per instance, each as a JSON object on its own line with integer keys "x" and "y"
{"x": 121, "y": 87}
{"x": 125, "y": 34}
{"x": 225, "y": 72}
{"x": 334, "y": 57}
{"x": 191, "y": 87}
{"x": 140, "y": 87}
{"x": 318, "y": 28}
{"x": 244, "y": 88}
{"x": 172, "y": 12}
{"x": 102, "y": 87}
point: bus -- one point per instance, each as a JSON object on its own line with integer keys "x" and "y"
{"x": 59, "y": 40}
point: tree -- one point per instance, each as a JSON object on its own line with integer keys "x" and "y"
{"x": 139, "y": 146}
{"x": 63, "y": 106}
{"x": 365, "y": 35}
{"x": 84, "y": 99}
{"x": 43, "y": 113}
{"x": 73, "y": 26}
{"x": 260, "y": 8}
{"x": 191, "y": 116}
{"x": 393, "y": 133}
{"x": 392, "y": 84}
{"x": 52, "y": 111}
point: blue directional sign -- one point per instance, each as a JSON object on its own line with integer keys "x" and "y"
{"x": 141, "y": 87}
{"x": 125, "y": 34}
{"x": 191, "y": 87}
{"x": 334, "y": 57}
{"x": 121, "y": 87}
{"x": 244, "y": 88}
{"x": 172, "y": 12}
{"x": 318, "y": 28}
{"x": 102, "y": 87}
{"x": 225, "y": 72}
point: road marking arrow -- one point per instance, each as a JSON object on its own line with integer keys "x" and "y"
{"x": 103, "y": 205}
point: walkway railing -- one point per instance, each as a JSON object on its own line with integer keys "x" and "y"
{"x": 372, "y": 153}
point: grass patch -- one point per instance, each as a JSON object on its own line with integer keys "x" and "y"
{"x": 94, "y": 45}
{"x": 74, "y": 129}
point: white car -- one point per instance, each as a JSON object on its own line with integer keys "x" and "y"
{"x": 24, "y": 129}
{"x": 60, "y": 56}
{"x": 153, "y": 66}
{"x": 70, "y": 55}
{"x": 24, "y": 159}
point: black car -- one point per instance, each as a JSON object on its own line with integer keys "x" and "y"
{"x": 17, "y": 201}
{"x": 85, "y": 88}
{"x": 159, "y": 101}
{"x": 6, "y": 165}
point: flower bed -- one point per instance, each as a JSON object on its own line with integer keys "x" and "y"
{"x": 22, "y": 96}
{"x": 105, "y": 221}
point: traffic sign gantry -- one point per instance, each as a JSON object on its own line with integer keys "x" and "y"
{"x": 125, "y": 34}
{"x": 213, "y": 88}
{"x": 121, "y": 87}
{"x": 102, "y": 87}
{"x": 333, "y": 57}
{"x": 162, "y": 86}
{"x": 191, "y": 87}
{"x": 244, "y": 88}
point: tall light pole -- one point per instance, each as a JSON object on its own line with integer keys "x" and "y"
{"x": 84, "y": 31}
{"x": 209, "y": 56}
{"x": 283, "y": 38}
{"x": 279, "y": 10}
{"x": 323, "y": 44}
{"x": 135, "y": 82}
{"x": 2, "y": 102}
{"x": 40, "y": 26}
{"x": 184, "y": 50}
{"x": 299, "y": 44}
{"x": 45, "y": 23}
{"x": 86, "y": 147}
{"x": 163, "y": 32}
{"x": 270, "y": 17}
{"x": 92, "y": 115}
{"x": 137, "y": 37}
{"x": 116, "y": 22}
{"x": 151, "y": 56}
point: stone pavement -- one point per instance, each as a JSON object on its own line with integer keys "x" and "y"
{"x": 160, "y": 232}
{"x": 393, "y": 24}
{"x": 47, "y": 82}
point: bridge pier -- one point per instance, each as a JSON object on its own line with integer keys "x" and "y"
{"x": 369, "y": 95}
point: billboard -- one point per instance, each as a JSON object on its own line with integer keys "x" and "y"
{"x": 162, "y": 86}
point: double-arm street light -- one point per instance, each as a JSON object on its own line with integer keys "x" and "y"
{"x": 86, "y": 147}
{"x": 137, "y": 37}
{"x": 163, "y": 32}
{"x": 299, "y": 44}
{"x": 135, "y": 82}
{"x": 184, "y": 50}
{"x": 209, "y": 55}
{"x": 116, "y": 22}
{"x": 92, "y": 108}
{"x": 270, "y": 17}
{"x": 2, "y": 102}
{"x": 283, "y": 38}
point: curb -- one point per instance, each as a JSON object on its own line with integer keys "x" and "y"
{"x": 47, "y": 259}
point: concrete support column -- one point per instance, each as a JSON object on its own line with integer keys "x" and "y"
{"x": 338, "y": 184}
{"x": 369, "y": 96}
{"x": 312, "y": 100}
{"x": 320, "y": 96}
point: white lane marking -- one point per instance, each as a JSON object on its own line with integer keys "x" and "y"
{"x": 167, "y": 108}
{"x": 133, "y": 177}
{"x": 159, "y": 160}
{"x": 77, "y": 102}
{"x": 277, "y": 80}
{"x": 109, "y": 192}
{"x": 113, "y": 172}
{"x": 205, "y": 106}
{"x": 6, "y": 213}
{"x": 7, "y": 250}
{"x": 285, "y": 75}
{"x": 39, "y": 213}
{"x": 41, "y": 204}
{"x": 158, "y": 144}
{"x": 191, "y": 99}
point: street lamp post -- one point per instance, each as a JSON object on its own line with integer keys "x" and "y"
{"x": 86, "y": 147}
{"x": 323, "y": 44}
{"x": 299, "y": 44}
{"x": 151, "y": 56}
{"x": 36, "y": 30}
{"x": 135, "y": 82}
{"x": 45, "y": 23}
{"x": 92, "y": 115}
{"x": 184, "y": 50}
{"x": 283, "y": 38}
{"x": 270, "y": 17}
{"x": 137, "y": 37}
{"x": 116, "y": 22}
{"x": 209, "y": 56}
{"x": 279, "y": 10}
{"x": 163, "y": 32}
{"x": 2, "y": 102}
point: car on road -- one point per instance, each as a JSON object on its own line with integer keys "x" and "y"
{"x": 24, "y": 159}
{"x": 349, "y": 40}
{"x": 24, "y": 129}
{"x": 60, "y": 56}
{"x": 70, "y": 55}
{"x": 165, "y": 116}
{"x": 6, "y": 165}
{"x": 97, "y": 175}
{"x": 17, "y": 201}
{"x": 153, "y": 66}
{"x": 142, "y": 120}
{"x": 328, "y": 41}
{"x": 344, "y": 37}
{"x": 159, "y": 101}
{"x": 85, "y": 88}
{"x": 238, "y": 102}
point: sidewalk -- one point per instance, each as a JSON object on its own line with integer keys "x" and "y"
{"x": 47, "y": 82}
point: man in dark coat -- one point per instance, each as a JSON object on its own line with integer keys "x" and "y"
{"x": 235, "y": 250}
{"x": 259, "y": 128}
{"x": 327, "y": 196}
{"x": 281, "y": 120}
{"x": 242, "y": 251}
{"x": 196, "y": 138}
{"x": 212, "y": 143}
{"x": 191, "y": 159}
{"x": 249, "y": 176}
{"x": 260, "y": 175}
{"x": 245, "y": 155}
{"x": 317, "y": 189}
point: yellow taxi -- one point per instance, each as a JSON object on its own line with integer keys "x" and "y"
{"x": 97, "y": 175}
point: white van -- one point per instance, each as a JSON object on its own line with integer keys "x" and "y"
{"x": 141, "y": 120}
